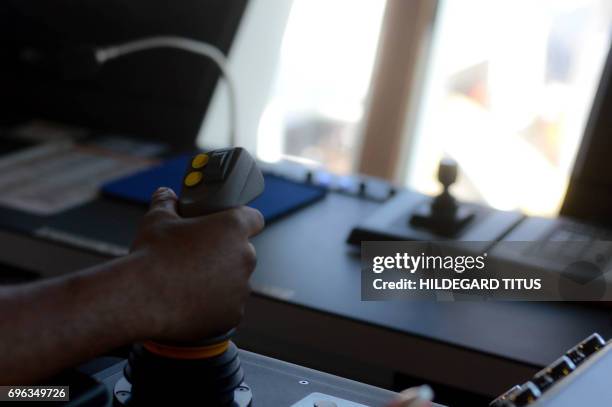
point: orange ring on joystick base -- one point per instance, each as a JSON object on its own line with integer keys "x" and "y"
{"x": 187, "y": 353}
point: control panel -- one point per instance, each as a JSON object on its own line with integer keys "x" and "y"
{"x": 564, "y": 375}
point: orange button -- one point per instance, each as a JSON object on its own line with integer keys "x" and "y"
{"x": 193, "y": 178}
{"x": 199, "y": 161}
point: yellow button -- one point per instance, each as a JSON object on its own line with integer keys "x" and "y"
{"x": 193, "y": 178}
{"x": 199, "y": 161}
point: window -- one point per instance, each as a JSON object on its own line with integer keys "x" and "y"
{"x": 322, "y": 79}
{"x": 508, "y": 91}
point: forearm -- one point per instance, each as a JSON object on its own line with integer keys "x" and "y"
{"x": 51, "y": 325}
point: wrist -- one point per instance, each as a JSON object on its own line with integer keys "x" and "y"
{"x": 142, "y": 319}
{"x": 118, "y": 297}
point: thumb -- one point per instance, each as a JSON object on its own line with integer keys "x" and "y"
{"x": 164, "y": 199}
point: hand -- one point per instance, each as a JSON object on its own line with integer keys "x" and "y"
{"x": 195, "y": 282}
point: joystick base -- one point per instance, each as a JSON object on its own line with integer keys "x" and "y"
{"x": 392, "y": 221}
{"x": 122, "y": 394}
{"x": 271, "y": 382}
{"x": 150, "y": 378}
{"x": 447, "y": 226}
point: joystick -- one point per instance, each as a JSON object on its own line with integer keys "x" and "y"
{"x": 208, "y": 372}
{"x": 443, "y": 215}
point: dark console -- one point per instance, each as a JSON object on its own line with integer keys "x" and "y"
{"x": 270, "y": 382}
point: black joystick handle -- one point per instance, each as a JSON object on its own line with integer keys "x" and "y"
{"x": 207, "y": 371}
{"x": 444, "y": 205}
{"x": 447, "y": 172}
{"x": 443, "y": 215}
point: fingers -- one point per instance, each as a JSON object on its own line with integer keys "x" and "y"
{"x": 164, "y": 200}
{"x": 252, "y": 220}
{"x": 250, "y": 257}
{"x": 245, "y": 220}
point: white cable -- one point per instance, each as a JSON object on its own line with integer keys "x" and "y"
{"x": 105, "y": 54}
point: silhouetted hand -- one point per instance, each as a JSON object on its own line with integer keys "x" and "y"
{"x": 196, "y": 278}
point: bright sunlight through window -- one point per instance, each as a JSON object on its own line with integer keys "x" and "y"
{"x": 509, "y": 89}
{"x": 323, "y": 78}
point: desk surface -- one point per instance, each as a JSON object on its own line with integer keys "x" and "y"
{"x": 304, "y": 260}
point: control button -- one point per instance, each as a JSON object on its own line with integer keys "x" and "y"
{"x": 309, "y": 177}
{"x": 576, "y": 356}
{"x": 527, "y": 395}
{"x": 591, "y": 345}
{"x": 543, "y": 380}
{"x": 362, "y": 188}
{"x": 500, "y": 401}
{"x": 199, "y": 161}
{"x": 560, "y": 368}
{"x": 325, "y": 403}
{"x": 193, "y": 178}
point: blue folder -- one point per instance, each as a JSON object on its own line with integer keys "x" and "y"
{"x": 280, "y": 197}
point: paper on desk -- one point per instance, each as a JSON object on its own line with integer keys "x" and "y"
{"x": 52, "y": 177}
